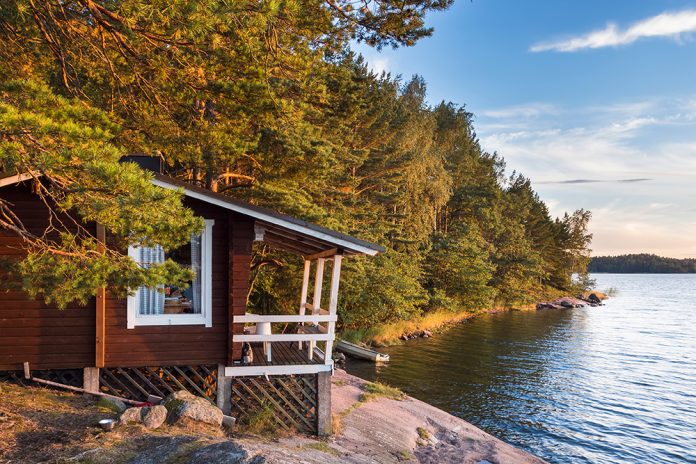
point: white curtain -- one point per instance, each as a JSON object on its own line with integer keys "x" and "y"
{"x": 151, "y": 299}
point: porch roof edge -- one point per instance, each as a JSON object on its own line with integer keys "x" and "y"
{"x": 269, "y": 216}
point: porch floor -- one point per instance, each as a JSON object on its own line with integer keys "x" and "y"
{"x": 283, "y": 354}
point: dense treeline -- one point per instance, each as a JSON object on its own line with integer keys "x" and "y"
{"x": 642, "y": 264}
{"x": 266, "y": 102}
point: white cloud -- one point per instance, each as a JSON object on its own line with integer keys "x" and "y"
{"x": 379, "y": 65}
{"x": 671, "y": 25}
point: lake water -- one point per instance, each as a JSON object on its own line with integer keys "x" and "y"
{"x": 615, "y": 384}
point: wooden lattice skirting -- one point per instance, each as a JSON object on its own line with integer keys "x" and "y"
{"x": 292, "y": 400}
{"x": 136, "y": 383}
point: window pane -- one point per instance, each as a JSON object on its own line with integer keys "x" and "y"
{"x": 186, "y": 300}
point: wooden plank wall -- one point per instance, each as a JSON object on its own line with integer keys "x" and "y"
{"x": 180, "y": 344}
{"x": 31, "y": 331}
{"x": 241, "y": 240}
{"x": 52, "y": 339}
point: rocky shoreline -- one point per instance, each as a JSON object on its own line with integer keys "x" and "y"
{"x": 373, "y": 424}
{"x": 592, "y": 298}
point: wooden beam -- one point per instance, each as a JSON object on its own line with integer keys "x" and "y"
{"x": 322, "y": 254}
{"x": 280, "y": 318}
{"x": 316, "y": 301}
{"x": 300, "y": 238}
{"x": 314, "y": 337}
{"x": 100, "y": 337}
{"x": 333, "y": 305}
{"x": 18, "y": 178}
{"x": 318, "y": 282}
{"x": 279, "y": 242}
{"x": 230, "y": 287}
{"x": 242, "y": 371}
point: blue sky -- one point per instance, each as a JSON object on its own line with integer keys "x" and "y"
{"x": 578, "y": 90}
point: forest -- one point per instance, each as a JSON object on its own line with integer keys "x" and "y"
{"x": 642, "y": 264}
{"x": 266, "y": 101}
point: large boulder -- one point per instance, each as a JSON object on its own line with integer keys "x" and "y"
{"x": 183, "y": 406}
{"x": 151, "y": 417}
{"x": 131, "y": 415}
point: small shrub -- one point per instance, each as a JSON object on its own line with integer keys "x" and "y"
{"x": 423, "y": 433}
{"x": 262, "y": 422}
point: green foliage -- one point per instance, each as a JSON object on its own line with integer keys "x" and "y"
{"x": 459, "y": 267}
{"x": 68, "y": 147}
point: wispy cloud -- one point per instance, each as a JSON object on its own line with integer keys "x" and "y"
{"x": 595, "y": 181}
{"x": 671, "y": 25}
{"x": 522, "y": 111}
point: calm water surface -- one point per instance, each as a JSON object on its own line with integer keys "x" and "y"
{"x": 615, "y": 384}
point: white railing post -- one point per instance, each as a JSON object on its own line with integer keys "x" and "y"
{"x": 316, "y": 301}
{"x": 305, "y": 288}
{"x": 333, "y": 305}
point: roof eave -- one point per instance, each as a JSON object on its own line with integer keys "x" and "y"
{"x": 355, "y": 245}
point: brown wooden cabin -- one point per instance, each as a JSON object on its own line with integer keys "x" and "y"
{"x": 131, "y": 339}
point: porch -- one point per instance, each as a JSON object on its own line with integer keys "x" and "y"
{"x": 294, "y": 351}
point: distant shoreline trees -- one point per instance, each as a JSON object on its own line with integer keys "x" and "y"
{"x": 643, "y": 263}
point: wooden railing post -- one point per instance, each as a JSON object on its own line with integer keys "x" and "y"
{"x": 318, "y": 282}
{"x": 333, "y": 305}
{"x": 305, "y": 289}
{"x": 316, "y": 301}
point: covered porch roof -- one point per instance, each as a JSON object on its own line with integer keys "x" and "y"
{"x": 277, "y": 229}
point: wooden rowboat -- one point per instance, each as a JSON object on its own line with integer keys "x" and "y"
{"x": 360, "y": 352}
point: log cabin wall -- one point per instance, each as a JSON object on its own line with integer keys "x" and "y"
{"x": 49, "y": 338}
{"x": 46, "y": 337}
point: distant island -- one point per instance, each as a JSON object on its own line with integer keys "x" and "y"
{"x": 642, "y": 264}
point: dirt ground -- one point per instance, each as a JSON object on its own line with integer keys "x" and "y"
{"x": 39, "y": 425}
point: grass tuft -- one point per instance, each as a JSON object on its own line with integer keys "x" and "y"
{"x": 261, "y": 422}
{"x": 374, "y": 390}
{"x": 336, "y": 424}
{"x": 405, "y": 455}
{"x": 323, "y": 447}
{"x": 423, "y": 433}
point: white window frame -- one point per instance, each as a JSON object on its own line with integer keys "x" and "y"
{"x": 206, "y": 316}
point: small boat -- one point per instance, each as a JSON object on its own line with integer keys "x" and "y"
{"x": 361, "y": 352}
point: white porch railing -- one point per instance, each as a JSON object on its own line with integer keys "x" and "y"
{"x": 308, "y": 319}
{"x": 311, "y": 329}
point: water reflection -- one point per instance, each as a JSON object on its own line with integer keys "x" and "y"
{"x": 615, "y": 384}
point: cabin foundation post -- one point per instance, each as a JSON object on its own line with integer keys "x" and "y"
{"x": 90, "y": 379}
{"x": 224, "y": 390}
{"x": 324, "y": 404}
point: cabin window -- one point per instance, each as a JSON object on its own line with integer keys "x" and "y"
{"x": 168, "y": 304}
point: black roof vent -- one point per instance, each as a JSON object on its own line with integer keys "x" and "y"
{"x": 147, "y": 162}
